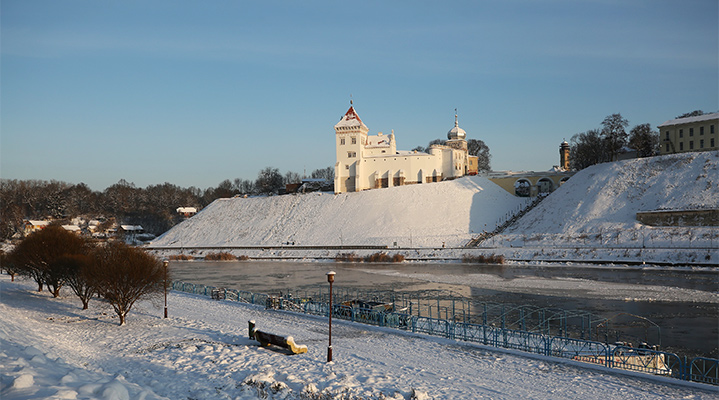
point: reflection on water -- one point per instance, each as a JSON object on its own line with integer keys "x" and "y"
{"x": 689, "y": 327}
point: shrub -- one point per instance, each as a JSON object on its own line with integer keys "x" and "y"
{"x": 398, "y": 258}
{"x": 378, "y": 257}
{"x": 221, "y": 256}
{"x": 348, "y": 257}
{"x": 181, "y": 257}
{"x": 243, "y": 258}
{"x": 483, "y": 259}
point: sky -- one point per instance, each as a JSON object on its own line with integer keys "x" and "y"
{"x": 193, "y": 93}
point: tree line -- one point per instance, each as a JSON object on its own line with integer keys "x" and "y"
{"x": 119, "y": 274}
{"x": 153, "y": 207}
{"x": 604, "y": 144}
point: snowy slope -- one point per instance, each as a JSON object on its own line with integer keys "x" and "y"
{"x": 592, "y": 217}
{"x": 50, "y": 348}
{"x": 415, "y": 215}
{"x": 609, "y": 195}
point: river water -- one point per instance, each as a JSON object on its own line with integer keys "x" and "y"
{"x": 683, "y": 303}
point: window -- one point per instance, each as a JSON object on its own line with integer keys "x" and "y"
{"x": 351, "y": 154}
{"x": 711, "y": 129}
{"x": 667, "y": 135}
{"x": 701, "y": 130}
{"x": 342, "y": 141}
{"x": 347, "y": 166}
{"x": 681, "y": 146}
{"x": 681, "y": 132}
{"x": 354, "y": 140}
{"x": 691, "y": 145}
{"x": 666, "y": 147}
{"x": 711, "y": 142}
{"x": 701, "y": 144}
{"x": 691, "y": 131}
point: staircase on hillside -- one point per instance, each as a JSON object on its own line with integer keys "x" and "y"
{"x": 476, "y": 241}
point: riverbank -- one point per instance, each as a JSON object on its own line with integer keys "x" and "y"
{"x": 53, "y": 349}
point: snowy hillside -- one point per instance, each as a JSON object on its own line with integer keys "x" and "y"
{"x": 590, "y": 218}
{"x": 609, "y": 195}
{"x": 413, "y": 216}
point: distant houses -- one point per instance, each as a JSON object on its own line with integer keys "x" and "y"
{"x": 187, "y": 211}
{"x": 96, "y": 229}
{"x": 32, "y": 225}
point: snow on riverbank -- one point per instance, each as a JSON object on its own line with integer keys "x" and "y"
{"x": 53, "y": 349}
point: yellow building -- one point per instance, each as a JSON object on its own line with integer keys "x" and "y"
{"x": 700, "y": 133}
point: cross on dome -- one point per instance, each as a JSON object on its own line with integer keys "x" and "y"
{"x": 456, "y": 132}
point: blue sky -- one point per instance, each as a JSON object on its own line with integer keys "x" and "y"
{"x": 193, "y": 93}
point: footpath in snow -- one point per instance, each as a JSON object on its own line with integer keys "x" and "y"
{"x": 50, "y": 348}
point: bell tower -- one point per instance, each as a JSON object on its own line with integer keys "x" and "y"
{"x": 564, "y": 156}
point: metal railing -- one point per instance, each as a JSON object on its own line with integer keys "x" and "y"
{"x": 700, "y": 369}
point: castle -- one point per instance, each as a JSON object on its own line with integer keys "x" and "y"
{"x": 372, "y": 161}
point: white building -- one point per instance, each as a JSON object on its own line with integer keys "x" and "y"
{"x": 373, "y": 161}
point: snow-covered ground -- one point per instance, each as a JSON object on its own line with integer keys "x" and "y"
{"x": 426, "y": 215}
{"x": 50, "y": 348}
{"x": 591, "y": 218}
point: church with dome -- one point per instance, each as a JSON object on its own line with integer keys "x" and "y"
{"x": 367, "y": 161}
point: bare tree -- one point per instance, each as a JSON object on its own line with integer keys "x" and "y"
{"x": 80, "y": 275}
{"x": 7, "y": 264}
{"x": 327, "y": 174}
{"x": 587, "y": 148}
{"x": 127, "y": 274}
{"x": 269, "y": 181}
{"x": 695, "y": 113}
{"x": 36, "y": 256}
{"x": 644, "y": 140}
{"x": 476, "y": 147}
{"x": 614, "y": 133}
{"x": 292, "y": 177}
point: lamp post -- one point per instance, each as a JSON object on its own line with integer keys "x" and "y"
{"x": 330, "y": 279}
{"x": 164, "y": 265}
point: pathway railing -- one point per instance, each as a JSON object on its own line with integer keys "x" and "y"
{"x": 700, "y": 369}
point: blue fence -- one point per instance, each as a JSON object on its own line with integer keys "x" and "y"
{"x": 704, "y": 370}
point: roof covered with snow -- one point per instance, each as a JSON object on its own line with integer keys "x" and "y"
{"x": 351, "y": 119}
{"x": 700, "y": 118}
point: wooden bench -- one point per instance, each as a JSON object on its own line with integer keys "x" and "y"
{"x": 266, "y": 339}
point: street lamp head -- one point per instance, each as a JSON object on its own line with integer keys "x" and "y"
{"x": 331, "y": 276}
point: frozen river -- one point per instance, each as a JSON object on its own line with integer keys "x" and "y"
{"x": 683, "y": 302}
